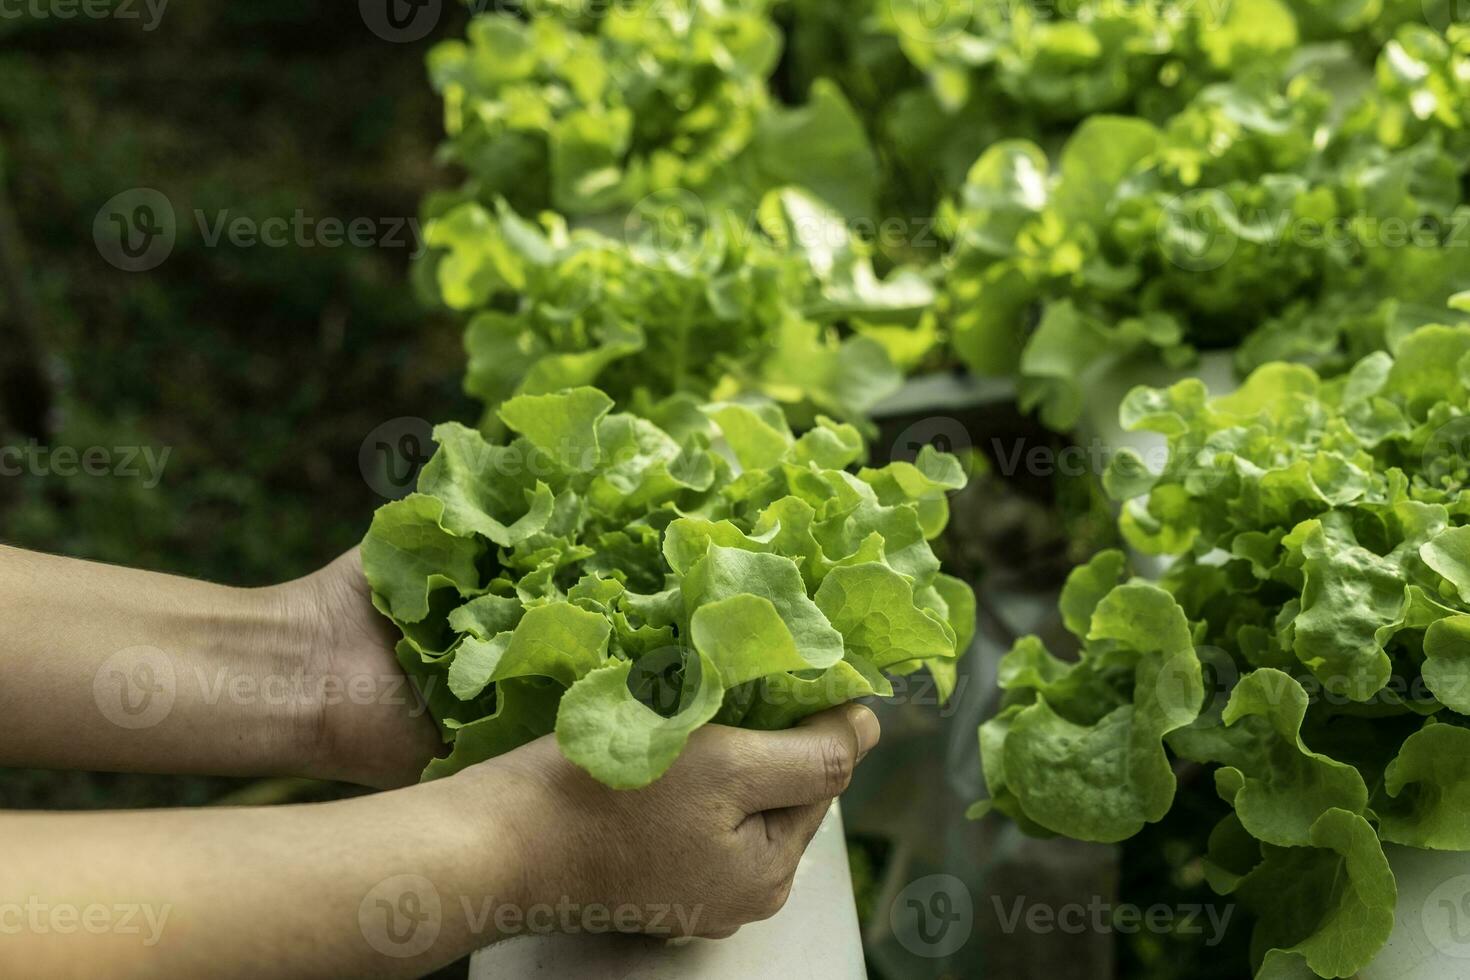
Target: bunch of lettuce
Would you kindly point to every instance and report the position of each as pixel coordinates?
(938, 83)
(643, 214)
(587, 110)
(1283, 177)
(1310, 643)
(1064, 62)
(599, 106)
(1297, 219)
(622, 582)
(685, 301)
(1061, 63)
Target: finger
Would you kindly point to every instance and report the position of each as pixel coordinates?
(812, 763)
(792, 829)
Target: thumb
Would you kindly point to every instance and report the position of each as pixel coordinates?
(812, 763)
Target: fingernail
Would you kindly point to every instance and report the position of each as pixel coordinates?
(865, 725)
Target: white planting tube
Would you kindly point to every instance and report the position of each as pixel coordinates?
(815, 937)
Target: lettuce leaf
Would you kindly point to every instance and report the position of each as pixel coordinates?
(1318, 534)
(593, 574)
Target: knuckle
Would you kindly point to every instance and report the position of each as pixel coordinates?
(776, 873)
(719, 755)
(837, 766)
(732, 853)
(783, 895)
(757, 909)
(766, 891)
(774, 900)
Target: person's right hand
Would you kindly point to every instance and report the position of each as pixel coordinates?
(709, 847)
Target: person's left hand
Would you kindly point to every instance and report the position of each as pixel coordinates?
(373, 727)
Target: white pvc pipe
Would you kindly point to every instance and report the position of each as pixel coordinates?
(815, 937)
(1431, 932)
(1104, 396)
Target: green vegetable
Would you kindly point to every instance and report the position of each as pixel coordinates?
(1319, 531)
(788, 307)
(599, 576)
(1314, 214)
(1075, 188)
(584, 110)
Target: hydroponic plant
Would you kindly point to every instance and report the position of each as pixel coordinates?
(937, 84)
(1285, 178)
(623, 582)
(711, 307)
(1286, 214)
(588, 109)
(1321, 537)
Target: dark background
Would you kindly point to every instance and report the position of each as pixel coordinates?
(259, 369)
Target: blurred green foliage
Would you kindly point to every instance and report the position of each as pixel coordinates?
(260, 370)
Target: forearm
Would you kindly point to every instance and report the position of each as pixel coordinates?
(302, 891)
(111, 668)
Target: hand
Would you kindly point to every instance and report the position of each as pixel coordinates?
(292, 680)
(373, 727)
(710, 846)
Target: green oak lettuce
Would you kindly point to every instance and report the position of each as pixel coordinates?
(585, 113)
(623, 580)
(588, 110)
(1309, 643)
(939, 83)
(1313, 214)
(1076, 187)
(786, 305)
(640, 212)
